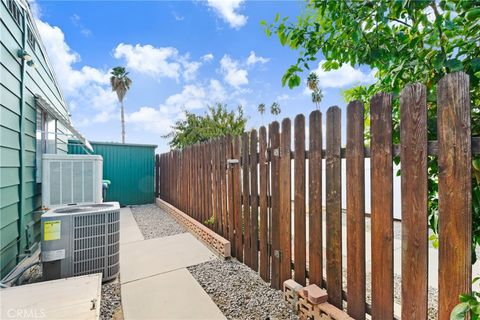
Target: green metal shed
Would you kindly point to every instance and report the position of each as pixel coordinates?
(129, 167)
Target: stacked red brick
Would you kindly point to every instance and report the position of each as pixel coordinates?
(310, 302)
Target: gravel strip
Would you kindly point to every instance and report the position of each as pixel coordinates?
(111, 304)
(34, 274)
(239, 292)
(155, 223)
(397, 293)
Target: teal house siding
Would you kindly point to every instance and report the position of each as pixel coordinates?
(130, 169)
(20, 84)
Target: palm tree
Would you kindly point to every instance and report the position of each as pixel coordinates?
(312, 81)
(120, 83)
(275, 109)
(261, 109)
(317, 97)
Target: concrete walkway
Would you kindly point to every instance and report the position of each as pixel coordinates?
(155, 283)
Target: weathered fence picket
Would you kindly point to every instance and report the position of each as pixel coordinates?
(315, 264)
(381, 160)
(264, 172)
(413, 140)
(230, 198)
(223, 181)
(245, 212)
(241, 187)
(333, 207)
(454, 191)
(237, 200)
(300, 245)
(275, 204)
(253, 200)
(355, 211)
(285, 190)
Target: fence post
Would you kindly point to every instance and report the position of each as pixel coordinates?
(454, 190)
(230, 197)
(275, 221)
(237, 200)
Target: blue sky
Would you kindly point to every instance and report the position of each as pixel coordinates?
(180, 54)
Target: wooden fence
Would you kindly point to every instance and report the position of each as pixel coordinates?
(241, 188)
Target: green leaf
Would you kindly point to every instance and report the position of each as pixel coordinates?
(460, 311)
(465, 297)
(277, 16)
(454, 65)
(473, 14)
(285, 77)
(282, 37)
(294, 81)
(263, 23)
(475, 63)
(438, 61)
(434, 239)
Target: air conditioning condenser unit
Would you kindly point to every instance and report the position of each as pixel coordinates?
(81, 239)
(71, 179)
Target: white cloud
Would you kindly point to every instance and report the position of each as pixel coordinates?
(207, 57)
(190, 69)
(35, 8)
(177, 16)
(86, 88)
(217, 92)
(227, 10)
(191, 97)
(283, 97)
(77, 23)
(195, 96)
(159, 62)
(147, 59)
(232, 73)
(151, 119)
(345, 76)
(159, 120)
(253, 59)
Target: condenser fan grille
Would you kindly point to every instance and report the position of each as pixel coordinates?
(96, 243)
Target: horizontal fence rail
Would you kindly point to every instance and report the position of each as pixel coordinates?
(263, 192)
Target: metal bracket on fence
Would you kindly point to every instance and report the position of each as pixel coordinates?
(276, 152)
(277, 254)
(231, 162)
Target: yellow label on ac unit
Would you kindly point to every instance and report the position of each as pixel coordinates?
(52, 230)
